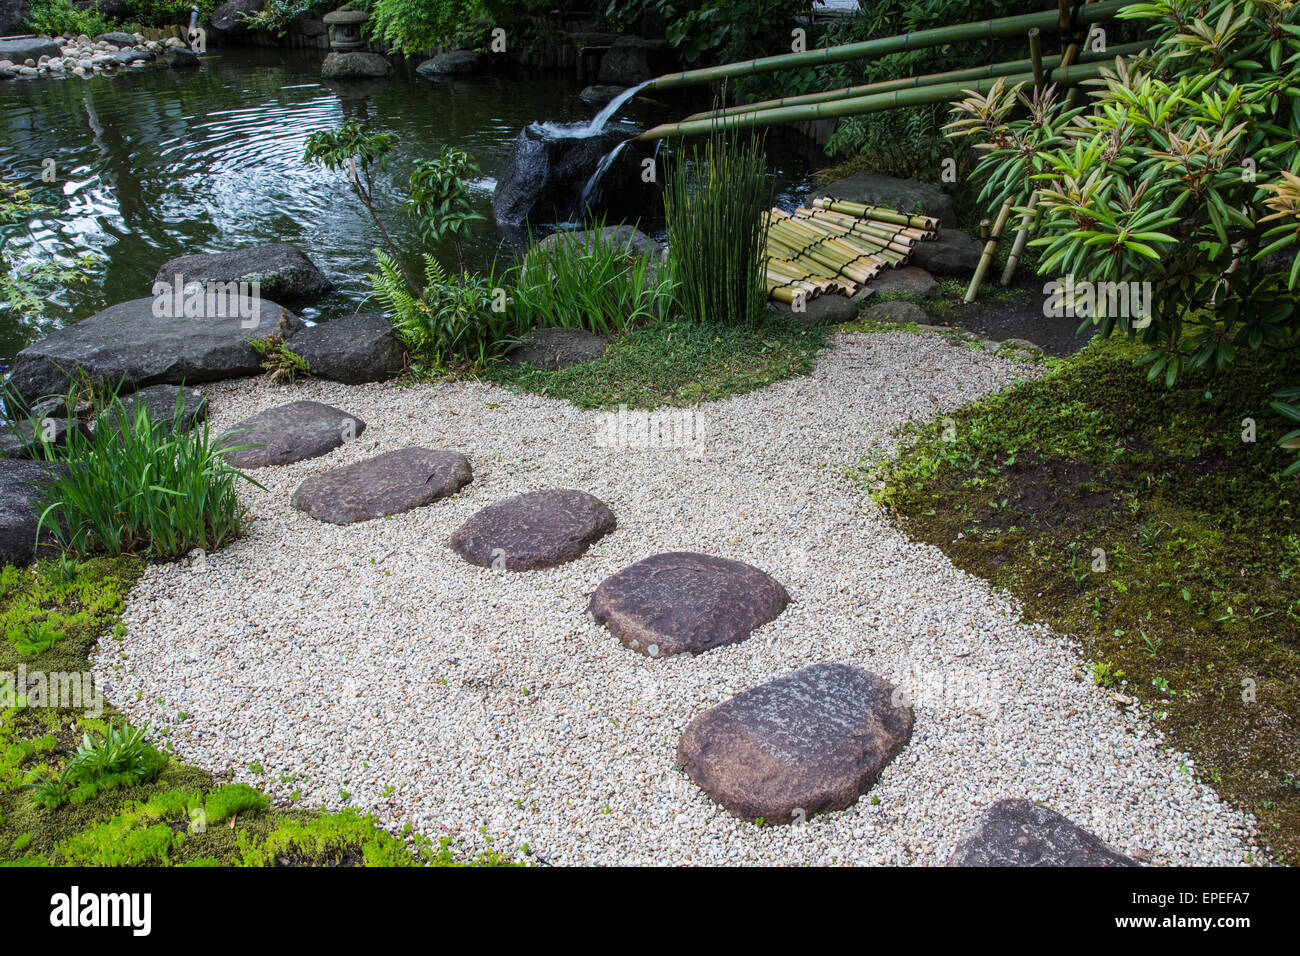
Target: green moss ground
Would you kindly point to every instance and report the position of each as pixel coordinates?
(181, 817)
(676, 363)
(1197, 610)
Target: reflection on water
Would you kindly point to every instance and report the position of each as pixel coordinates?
(155, 163)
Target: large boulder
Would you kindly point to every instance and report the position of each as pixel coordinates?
(548, 171)
(600, 95)
(20, 496)
(450, 63)
(116, 38)
(555, 348)
(131, 344)
(179, 58)
(226, 19)
(354, 65)
(633, 60)
(16, 51)
(800, 745)
(282, 271)
(12, 13)
(910, 196)
(954, 253)
(354, 349)
(160, 402)
(1016, 832)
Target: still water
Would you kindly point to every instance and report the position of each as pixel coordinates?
(154, 163)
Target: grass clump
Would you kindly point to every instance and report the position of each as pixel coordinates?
(140, 486)
(676, 363)
(232, 800)
(715, 203)
(1154, 524)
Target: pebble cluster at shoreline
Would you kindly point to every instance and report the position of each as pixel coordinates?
(367, 665)
(82, 56)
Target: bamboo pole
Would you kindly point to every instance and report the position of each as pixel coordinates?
(857, 105)
(990, 247)
(882, 46)
(1036, 56)
(912, 82)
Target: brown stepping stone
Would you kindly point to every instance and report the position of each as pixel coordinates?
(685, 602)
(1017, 832)
(806, 743)
(292, 432)
(387, 484)
(539, 529)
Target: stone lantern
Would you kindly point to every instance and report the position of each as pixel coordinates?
(345, 28)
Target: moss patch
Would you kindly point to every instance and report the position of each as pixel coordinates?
(1136, 517)
(676, 363)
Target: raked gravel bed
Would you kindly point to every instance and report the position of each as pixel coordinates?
(371, 660)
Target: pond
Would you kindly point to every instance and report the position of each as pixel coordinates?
(154, 163)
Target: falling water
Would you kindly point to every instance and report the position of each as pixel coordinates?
(606, 161)
(598, 122)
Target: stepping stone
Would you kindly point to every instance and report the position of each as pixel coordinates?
(685, 602)
(387, 484)
(806, 743)
(828, 309)
(539, 529)
(1017, 832)
(554, 348)
(159, 402)
(292, 432)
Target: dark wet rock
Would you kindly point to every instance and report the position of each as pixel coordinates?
(598, 96)
(292, 432)
(283, 271)
(544, 178)
(21, 493)
(810, 742)
(823, 310)
(897, 311)
(954, 253)
(128, 343)
(633, 60)
(354, 65)
(909, 280)
(683, 602)
(307, 27)
(631, 240)
(115, 9)
(452, 62)
(908, 196)
(555, 348)
(179, 59)
(127, 57)
(159, 402)
(226, 19)
(12, 13)
(118, 39)
(16, 51)
(1017, 832)
(539, 529)
(387, 484)
(352, 349)
(25, 436)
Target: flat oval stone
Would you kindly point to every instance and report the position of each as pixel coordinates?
(1016, 832)
(809, 742)
(292, 432)
(387, 484)
(539, 529)
(686, 602)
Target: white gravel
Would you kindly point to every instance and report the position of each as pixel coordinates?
(371, 660)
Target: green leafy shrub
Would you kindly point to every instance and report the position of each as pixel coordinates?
(138, 485)
(715, 204)
(276, 16)
(56, 17)
(122, 757)
(457, 317)
(438, 200)
(595, 283)
(413, 25)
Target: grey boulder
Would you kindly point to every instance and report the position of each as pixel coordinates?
(353, 349)
(539, 529)
(283, 272)
(226, 18)
(291, 432)
(129, 344)
(354, 65)
(807, 743)
(20, 498)
(555, 348)
(454, 61)
(1016, 832)
(633, 60)
(387, 484)
(823, 310)
(908, 280)
(954, 253)
(909, 196)
(160, 403)
(32, 48)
